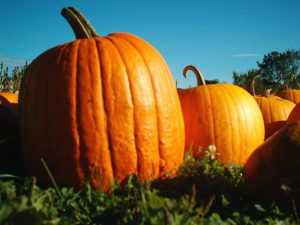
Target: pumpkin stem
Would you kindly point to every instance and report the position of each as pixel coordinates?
(199, 76)
(79, 24)
(252, 82)
(267, 92)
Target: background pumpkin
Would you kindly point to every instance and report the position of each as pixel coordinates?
(278, 158)
(292, 95)
(9, 99)
(100, 108)
(275, 110)
(223, 115)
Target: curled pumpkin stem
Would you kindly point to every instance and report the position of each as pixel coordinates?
(252, 82)
(199, 76)
(81, 27)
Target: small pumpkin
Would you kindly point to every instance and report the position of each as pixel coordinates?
(223, 115)
(275, 110)
(292, 95)
(295, 114)
(100, 109)
(9, 99)
(275, 162)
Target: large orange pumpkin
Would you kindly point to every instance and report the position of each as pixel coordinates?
(100, 108)
(275, 163)
(9, 99)
(292, 95)
(223, 115)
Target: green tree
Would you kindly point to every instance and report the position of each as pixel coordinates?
(215, 81)
(282, 69)
(10, 80)
(246, 81)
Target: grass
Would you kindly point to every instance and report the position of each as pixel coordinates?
(204, 192)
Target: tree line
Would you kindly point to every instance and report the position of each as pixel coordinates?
(10, 79)
(277, 71)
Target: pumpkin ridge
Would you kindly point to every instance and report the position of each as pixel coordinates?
(167, 82)
(152, 87)
(110, 170)
(45, 75)
(211, 97)
(76, 98)
(105, 110)
(240, 129)
(124, 168)
(131, 97)
(232, 95)
(84, 159)
(233, 127)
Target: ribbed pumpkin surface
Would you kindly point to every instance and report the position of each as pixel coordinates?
(223, 115)
(275, 112)
(105, 106)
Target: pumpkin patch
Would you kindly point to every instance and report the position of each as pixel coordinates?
(96, 131)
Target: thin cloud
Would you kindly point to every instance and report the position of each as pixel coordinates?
(245, 55)
(12, 62)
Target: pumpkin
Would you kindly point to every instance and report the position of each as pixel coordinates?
(223, 115)
(100, 109)
(9, 99)
(275, 110)
(292, 95)
(275, 162)
(10, 152)
(295, 114)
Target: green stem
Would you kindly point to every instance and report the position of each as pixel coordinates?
(81, 27)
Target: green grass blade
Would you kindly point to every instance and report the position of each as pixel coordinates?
(52, 178)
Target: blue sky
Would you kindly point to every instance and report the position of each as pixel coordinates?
(217, 36)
